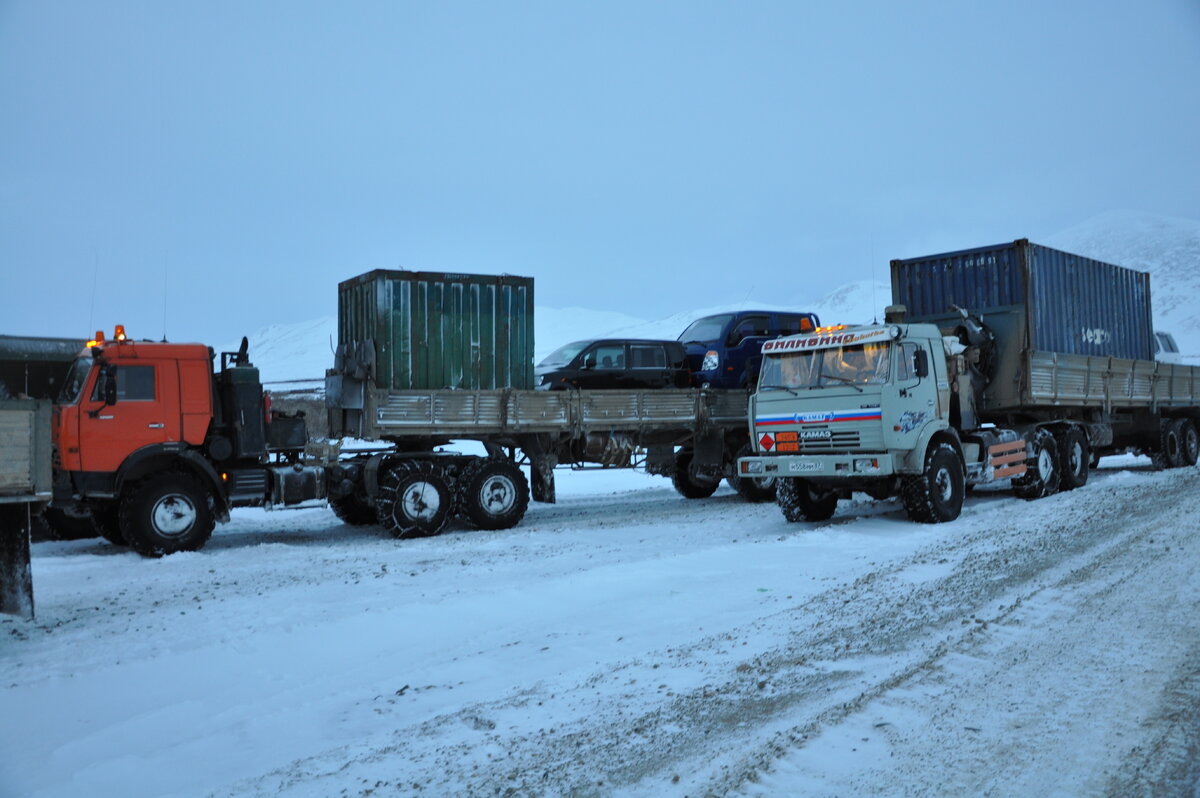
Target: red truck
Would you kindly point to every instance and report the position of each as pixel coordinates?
(157, 446)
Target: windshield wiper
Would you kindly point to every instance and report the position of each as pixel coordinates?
(777, 388)
(846, 380)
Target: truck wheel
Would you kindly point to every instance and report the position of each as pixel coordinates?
(1189, 441)
(752, 489)
(493, 493)
(1073, 456)
(166, 513)
(354, 509)
(936, 494)
(1170, 453)
(688, 484)
(107, 520)
(1042, 475)
(800, 500)
(69, 524)
(414, 502)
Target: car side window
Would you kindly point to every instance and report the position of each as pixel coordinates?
(749, 327)
(794, 325)
(647, 356)
(134, 384)
(606, 356)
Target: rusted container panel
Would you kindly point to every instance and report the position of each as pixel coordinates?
(430, 330)
(1071, 304)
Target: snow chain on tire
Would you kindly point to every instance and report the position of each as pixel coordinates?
(493, 493)
(414, 500)
(936, 494)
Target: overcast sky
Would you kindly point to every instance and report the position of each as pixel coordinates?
(216, 167)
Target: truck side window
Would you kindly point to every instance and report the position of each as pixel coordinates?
(905, 369)
(794, 325)
(134, 383)
(748, 327)
(648, 357)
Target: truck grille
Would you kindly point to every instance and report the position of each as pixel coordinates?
(841, 441)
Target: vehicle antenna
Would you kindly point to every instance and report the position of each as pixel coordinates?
(95, 281)
(166, 262)
(874, 302)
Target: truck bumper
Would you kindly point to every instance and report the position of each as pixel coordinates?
(818, 466)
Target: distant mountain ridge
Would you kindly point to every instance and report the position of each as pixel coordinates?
(1168, 248)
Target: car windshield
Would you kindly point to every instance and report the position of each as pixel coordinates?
(76, 378)
(563, 355)
(706, 329)
(862, 364)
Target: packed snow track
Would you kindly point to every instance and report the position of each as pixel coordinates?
(628, 642)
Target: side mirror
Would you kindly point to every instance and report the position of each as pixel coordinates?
(921, 363)
(589, 362)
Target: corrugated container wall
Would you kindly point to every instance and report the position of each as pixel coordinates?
(1074, 305)
(434, 330)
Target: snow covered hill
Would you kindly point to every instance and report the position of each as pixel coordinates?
(1167, 247)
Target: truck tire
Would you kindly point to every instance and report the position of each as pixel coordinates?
(69, 524)
(354, 509)
(1189, 441)
(493, 493)
(688, 484)
(166, 513)
(1170, 451)
(414, 501)
(936, 494)
(1073, 457)
(1043, 474)
(800, 500)
(107, 520)
(752, 489)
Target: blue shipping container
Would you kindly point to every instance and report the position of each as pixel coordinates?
(1074, 305)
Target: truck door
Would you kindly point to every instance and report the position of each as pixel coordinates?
(744, 350)
(909, 400)
(146, 412)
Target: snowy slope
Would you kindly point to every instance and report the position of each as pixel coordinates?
(1167, 247)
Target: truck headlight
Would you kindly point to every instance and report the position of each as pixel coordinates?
(752, 467)
(711, 361)
(866, 464)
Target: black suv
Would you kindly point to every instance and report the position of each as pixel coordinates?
(615, 363)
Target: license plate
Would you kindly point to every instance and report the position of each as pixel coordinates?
(803, 466)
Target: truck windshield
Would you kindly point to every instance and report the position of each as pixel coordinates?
(863, 364)
(706, 329)
(76, 379)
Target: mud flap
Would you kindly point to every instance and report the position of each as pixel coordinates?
(541, 483)
(16, 577)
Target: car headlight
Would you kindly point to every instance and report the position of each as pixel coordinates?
(711, 361)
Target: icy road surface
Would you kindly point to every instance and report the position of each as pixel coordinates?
(628, 642)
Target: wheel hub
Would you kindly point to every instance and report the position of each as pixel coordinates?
(173, 515)
(943, 485)
(498, 494)
(421, 501)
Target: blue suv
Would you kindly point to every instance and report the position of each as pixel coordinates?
(725, 350)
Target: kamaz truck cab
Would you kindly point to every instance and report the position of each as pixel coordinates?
(879, 409)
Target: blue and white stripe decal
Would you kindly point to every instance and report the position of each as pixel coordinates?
(822, 417)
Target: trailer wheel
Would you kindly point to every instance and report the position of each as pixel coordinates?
(800, 500)
(936, 494)
(107, 520)
(1189, 441)
(166, 513)
(493, 493)
(1073, 457)
(354, 509)
(1170, 447)
(689, 484)
(1043, 475)
(414, 501)
(752, 489)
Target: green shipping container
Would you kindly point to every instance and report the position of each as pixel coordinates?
(431, 330)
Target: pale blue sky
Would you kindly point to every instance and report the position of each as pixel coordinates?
(223, 165)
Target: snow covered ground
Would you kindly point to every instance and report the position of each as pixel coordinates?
(627, 642)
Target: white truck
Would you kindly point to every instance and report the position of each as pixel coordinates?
(1032, 389)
